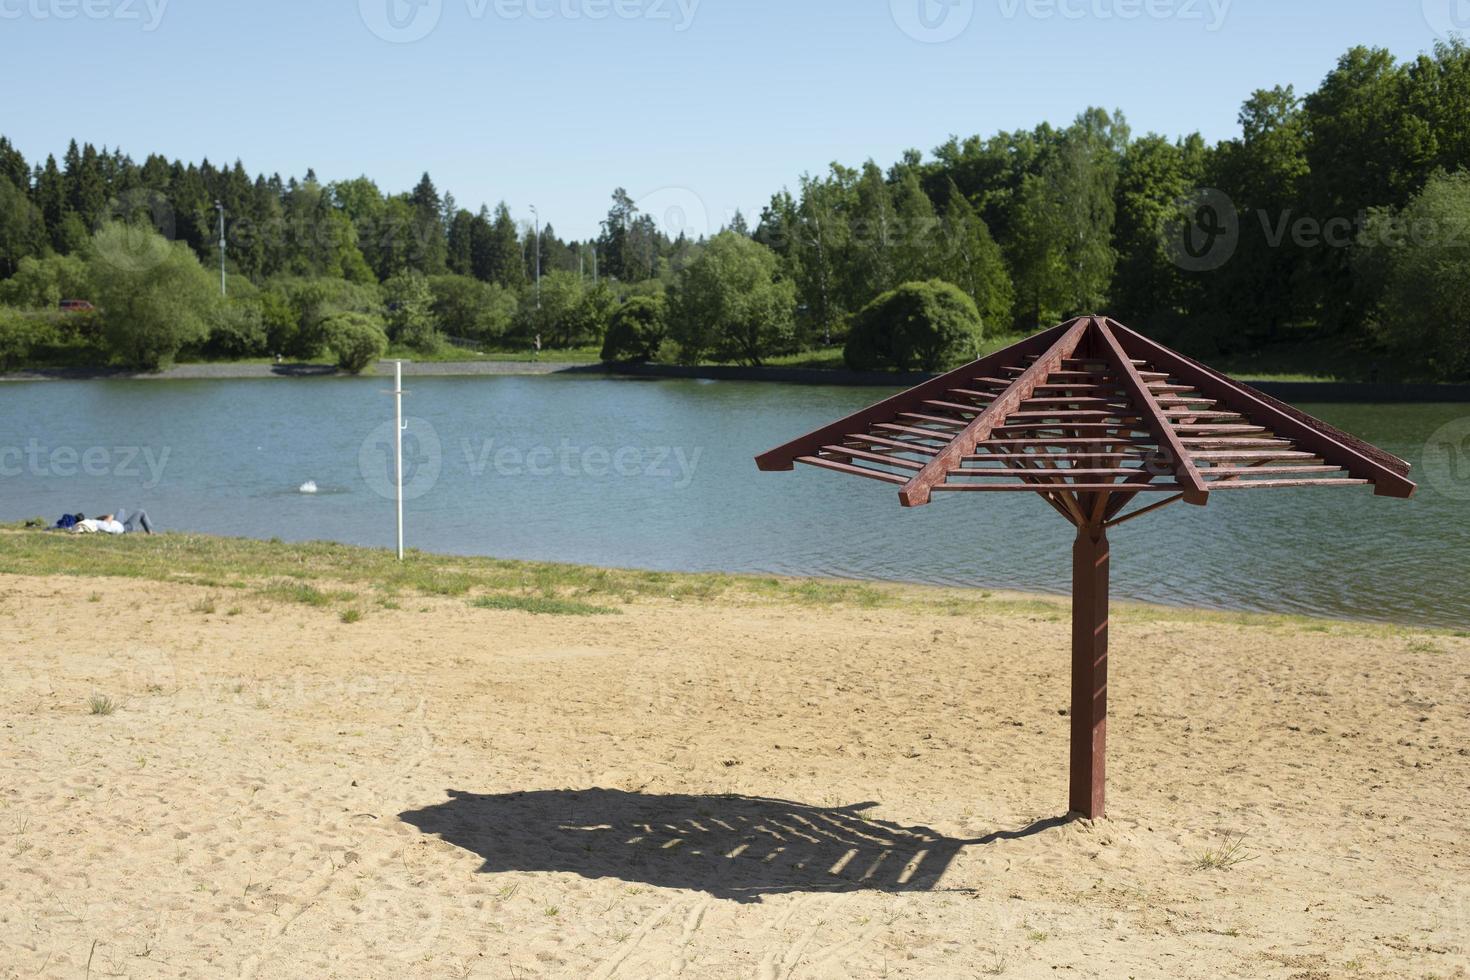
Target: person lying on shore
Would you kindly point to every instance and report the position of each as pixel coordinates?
(109, 524)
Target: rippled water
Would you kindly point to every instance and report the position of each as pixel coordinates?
(658, 474)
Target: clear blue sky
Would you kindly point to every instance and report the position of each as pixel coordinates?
(704, 104)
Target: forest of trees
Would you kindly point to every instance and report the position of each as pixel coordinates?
(1338, 217)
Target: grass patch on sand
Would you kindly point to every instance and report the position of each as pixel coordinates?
(542, 605)
(328, 575)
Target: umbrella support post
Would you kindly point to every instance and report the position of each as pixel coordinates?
(1089, 670)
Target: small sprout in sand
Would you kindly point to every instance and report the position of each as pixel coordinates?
(95, 597)
(550, 911)
(350, 615)
(1036, 936)
(1225, 858)
(1423, 645)
(238, 687)
(233, 611)
(205, 606)
(101, 704)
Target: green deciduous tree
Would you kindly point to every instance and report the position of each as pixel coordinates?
(1422, 260)
(463, 306)
(731, 304)
(408, 303)
(154, 295)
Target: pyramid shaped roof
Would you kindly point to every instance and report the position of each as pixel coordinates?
(1090, 414)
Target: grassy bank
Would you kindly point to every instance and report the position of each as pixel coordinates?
(353, 581)
(1303, 360)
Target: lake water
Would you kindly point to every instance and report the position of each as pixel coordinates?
(658, 474)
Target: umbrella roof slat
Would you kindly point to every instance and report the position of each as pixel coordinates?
(1076, 487)
(1069, 471)
(848, 452)
(1064, 457)
(1219, 471)
(925, 433)
(1278, 484)
(1218, 442)
(1212, 455)
(908, 447)
(953, 406)
(1087, 426)
(832, 464)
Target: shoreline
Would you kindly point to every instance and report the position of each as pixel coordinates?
(1306, 391)
(187, 557)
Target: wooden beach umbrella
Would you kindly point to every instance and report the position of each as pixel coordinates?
(1093, 418)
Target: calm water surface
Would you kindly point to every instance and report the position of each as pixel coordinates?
(658, 474)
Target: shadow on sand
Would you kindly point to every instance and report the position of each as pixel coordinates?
(733, 847)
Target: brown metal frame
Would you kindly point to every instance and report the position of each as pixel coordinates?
(1066, 414)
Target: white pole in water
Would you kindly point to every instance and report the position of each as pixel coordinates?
(398, 446)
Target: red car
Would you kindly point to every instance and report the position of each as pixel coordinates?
(76, 306)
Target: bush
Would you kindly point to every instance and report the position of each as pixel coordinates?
(41, 284)
(467, 308)
(922, 325)
(19, 334)
(636, 330)
(293, 311)
(356, 339)
(236, 329)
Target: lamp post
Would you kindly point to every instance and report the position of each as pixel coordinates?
(537, 217)
(218, 206)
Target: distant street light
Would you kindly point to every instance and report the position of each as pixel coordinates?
(221, 209)
(537, 217)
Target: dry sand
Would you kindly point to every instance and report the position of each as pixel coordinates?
(472, 793)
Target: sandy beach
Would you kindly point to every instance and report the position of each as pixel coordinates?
(202, 782)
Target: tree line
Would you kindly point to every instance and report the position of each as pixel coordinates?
(1339, 216)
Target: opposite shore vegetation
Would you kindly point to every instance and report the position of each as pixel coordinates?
(1327, 241)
